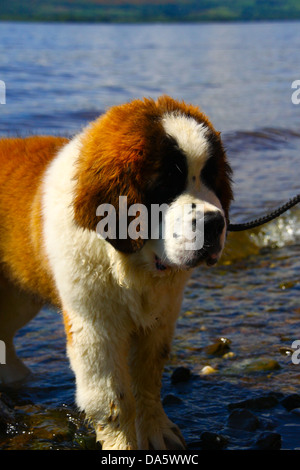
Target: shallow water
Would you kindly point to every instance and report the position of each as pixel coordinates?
(259, 316)
(59, 77)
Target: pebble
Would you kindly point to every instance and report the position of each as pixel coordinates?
(7, 400)
(268, 424)
(86, 442)
(259, 403)
(285, 351)
(229, 355)
(243, 419)
(263, 366)
(269, 441)
(7, 416)
(287, 285)
(181, 374)
(212, 440)
(219, 348)
(291, 401)
(296, 411)
(206, 370)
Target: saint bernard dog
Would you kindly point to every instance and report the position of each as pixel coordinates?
(119, 296)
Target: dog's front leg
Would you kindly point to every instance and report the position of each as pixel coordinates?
(99, 359)
(149, 352)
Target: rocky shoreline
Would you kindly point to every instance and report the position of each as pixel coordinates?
(266, 421)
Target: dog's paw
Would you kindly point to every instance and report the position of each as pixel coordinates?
(159, 434)
(115, 440)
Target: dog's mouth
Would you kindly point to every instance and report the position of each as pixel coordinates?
(159, 265)
(209, 257)
(210, 260)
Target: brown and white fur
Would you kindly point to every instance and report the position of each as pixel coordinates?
(120, 298)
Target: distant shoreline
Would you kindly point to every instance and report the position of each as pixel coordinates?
(149, 11)
(145, 21)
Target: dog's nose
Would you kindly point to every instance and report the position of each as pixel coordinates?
(213, 225)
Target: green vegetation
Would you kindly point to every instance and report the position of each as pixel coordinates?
(121, 11)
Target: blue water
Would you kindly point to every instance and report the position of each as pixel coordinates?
(58, 77)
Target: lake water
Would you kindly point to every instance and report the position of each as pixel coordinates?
(60, 76)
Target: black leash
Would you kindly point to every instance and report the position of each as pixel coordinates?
(262, 220)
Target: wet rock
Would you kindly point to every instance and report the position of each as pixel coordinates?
(268, 424)
(219, 348)
(278, 395)
(181, 374)
(243, 419)
(269, 441)
(291, 401)
(7, 400)
(50, 426)
(87, 442)
(7, 415)
(206, 370)
(263, 366)
(287, 285)
(296, 411)
(172, 400)
(229, 355)
(259, 403)
(19, 442)
(285, 351)
(212, 440)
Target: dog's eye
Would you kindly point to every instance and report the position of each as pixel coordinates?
(170, 182)
(175, 172)
(209, 174)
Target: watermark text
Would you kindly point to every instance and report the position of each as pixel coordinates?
(296, 95)
(184, 222)
(296, 354)
(2, 352)
(2, 92)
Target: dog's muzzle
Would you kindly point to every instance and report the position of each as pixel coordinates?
(214, 224)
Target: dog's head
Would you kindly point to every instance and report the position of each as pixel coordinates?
(162, 169)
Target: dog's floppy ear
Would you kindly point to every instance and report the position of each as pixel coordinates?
(109, 166)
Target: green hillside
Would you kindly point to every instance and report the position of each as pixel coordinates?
(148, 11)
